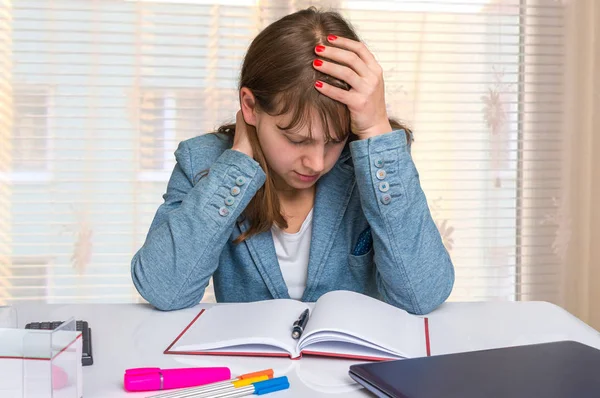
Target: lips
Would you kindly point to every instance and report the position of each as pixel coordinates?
(307, 177)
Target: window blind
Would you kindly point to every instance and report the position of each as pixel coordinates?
(96, 96)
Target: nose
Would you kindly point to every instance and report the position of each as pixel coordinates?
(314, 159)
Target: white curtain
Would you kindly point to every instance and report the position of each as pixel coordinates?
(581, 216)
(97, 94)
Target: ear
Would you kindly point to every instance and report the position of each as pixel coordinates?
(248, 105)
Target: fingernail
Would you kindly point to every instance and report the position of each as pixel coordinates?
(331, 37)
(318, 84)
(317, 62)
(319, 48)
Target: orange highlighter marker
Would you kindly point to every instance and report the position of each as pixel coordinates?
(240, 381)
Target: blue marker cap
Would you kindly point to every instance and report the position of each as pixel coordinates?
(272, 385)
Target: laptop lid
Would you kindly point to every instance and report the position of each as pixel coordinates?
(562, 369)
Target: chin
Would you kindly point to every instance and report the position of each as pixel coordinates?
(302, 185)
(297, 184)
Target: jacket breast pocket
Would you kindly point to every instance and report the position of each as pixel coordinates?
(362, 271)
(363, 274)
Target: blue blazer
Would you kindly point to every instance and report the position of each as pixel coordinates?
(372, 231)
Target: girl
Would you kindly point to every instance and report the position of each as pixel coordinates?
(313, 189)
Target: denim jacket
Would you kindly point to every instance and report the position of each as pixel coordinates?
(374, 187)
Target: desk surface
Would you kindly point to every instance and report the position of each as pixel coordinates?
(135, 335)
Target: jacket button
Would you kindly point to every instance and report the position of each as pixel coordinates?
(224, 211)
(240, 181)
(235, 191)
(381, 174)
(386, 198)
(384, 186)
(379, 163)
(229, 201)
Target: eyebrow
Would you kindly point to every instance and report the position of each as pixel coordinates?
(303, 138)
(294, 133)
(288, 129)
(309, 139)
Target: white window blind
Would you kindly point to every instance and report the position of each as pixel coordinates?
(96, 96)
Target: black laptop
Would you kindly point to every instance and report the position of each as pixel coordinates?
(564, 369)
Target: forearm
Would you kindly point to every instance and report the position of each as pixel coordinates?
(182, 249)
(414, 269)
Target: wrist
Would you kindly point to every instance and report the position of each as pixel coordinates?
(379, 129)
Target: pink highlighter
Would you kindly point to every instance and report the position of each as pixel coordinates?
(153, 379)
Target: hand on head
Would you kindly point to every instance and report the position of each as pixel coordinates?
(357, 66)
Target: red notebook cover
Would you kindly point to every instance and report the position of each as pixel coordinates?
(304, 352)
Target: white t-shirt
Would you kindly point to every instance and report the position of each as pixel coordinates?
(292, 253)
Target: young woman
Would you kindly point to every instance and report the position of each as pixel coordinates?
(313, 189)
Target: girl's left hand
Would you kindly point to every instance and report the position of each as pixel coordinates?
(360, 69)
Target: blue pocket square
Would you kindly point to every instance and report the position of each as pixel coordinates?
(364, 243)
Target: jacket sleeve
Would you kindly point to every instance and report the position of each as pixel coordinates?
(190, 229)
(414, 270)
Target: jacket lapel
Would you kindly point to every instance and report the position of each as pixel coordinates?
(262, 250)
(332, 197)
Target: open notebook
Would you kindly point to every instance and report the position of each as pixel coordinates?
(341, 324)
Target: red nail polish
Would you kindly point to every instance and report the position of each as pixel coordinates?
(318, 84)
(319, 48)
(317, 62)
(331, 37)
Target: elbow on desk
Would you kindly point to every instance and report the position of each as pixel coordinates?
(155, 291)
(438, 292)
(428, 306)
(425, 295)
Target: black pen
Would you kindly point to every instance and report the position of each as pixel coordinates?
(300, 324)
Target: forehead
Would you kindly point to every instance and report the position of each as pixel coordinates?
(295, 123)
(313, 124)
(312, 115)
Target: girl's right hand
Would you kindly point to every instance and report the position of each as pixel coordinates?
(241, 142)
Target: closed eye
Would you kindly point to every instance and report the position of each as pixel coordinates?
(298, 142)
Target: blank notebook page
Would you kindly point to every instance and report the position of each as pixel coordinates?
(258, 323)
(369, 319)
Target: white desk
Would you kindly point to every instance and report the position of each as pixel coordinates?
(129, 335)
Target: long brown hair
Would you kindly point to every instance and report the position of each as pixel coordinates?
(278, 70)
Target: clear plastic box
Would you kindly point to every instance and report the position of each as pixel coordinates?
(39, 363)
